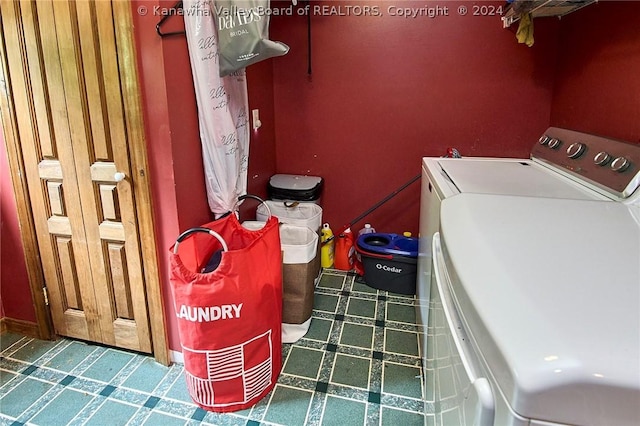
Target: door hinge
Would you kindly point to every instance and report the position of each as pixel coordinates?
(46, 296)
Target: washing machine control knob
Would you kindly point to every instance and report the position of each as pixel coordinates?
(544, 140)
(576, 149)
(620, 164)
(602, 158)
(555, 143)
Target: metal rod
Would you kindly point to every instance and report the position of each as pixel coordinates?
(375, 206)
(387, 198)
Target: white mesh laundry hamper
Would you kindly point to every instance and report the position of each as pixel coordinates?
(301, 260)
(300, 214)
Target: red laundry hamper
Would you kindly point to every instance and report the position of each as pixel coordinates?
(229, 319)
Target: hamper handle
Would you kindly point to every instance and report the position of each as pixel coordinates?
(255, 197)
(191, 231)
(371, 254)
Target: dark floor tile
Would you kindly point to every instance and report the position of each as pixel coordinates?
(29, 370)
(199, 414)
(322, 387)
(108, 390)
(152, 402)
(67, 380)
(374, 397)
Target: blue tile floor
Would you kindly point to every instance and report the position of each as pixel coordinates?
(357, 365)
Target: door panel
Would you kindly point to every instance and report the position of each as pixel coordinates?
(65, 76)
(45, 164)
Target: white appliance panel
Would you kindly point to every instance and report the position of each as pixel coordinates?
(556, 327)
(458, 376)
(524, 178)
(429, 223)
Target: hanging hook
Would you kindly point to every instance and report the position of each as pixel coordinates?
(164, 19)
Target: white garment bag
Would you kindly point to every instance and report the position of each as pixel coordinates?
(223, 111)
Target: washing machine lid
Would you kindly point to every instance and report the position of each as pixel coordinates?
(510, 177)
(550, 291)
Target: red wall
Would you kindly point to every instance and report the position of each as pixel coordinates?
(173, 140)
(15, 294)
(262, 150)
(388, 90)
(597, 86)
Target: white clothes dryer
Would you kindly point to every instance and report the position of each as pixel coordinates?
(533, 258)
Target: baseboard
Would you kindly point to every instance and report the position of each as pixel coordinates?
(176, 357)
(26, 328)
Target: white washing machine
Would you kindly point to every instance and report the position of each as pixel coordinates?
(538, 275)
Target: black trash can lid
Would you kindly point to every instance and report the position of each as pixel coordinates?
(295, 182)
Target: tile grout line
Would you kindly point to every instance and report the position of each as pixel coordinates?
(374, 408)
(319, 398)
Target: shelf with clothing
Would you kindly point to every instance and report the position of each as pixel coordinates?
(540, 8)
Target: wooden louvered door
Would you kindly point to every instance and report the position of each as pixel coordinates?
(66, 80)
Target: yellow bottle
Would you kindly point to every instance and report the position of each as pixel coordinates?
(326, 248)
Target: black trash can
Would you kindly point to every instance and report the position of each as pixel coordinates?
(296, 188)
